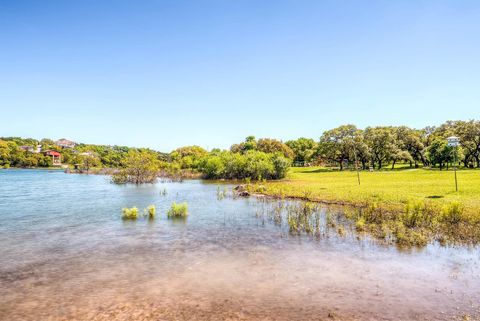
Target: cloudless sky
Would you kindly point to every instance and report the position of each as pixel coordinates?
(164, 74)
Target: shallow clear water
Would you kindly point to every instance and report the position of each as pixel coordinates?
(65, 253)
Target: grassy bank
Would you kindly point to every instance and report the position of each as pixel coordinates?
(412, 206)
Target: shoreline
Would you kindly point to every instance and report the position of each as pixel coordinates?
(400, 225)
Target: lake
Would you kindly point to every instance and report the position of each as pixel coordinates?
(66, 254)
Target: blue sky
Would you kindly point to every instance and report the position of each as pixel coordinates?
(163, 74)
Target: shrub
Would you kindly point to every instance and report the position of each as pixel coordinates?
(140, 167)
(250, 164)
(150, 212)
(360, 224)
(130, 213)
(120, 177)
(452, 213)
(178, 210)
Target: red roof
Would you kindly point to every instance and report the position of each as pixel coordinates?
(52, 153)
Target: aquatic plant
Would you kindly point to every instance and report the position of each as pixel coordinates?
(129, 213)
(163, 192)
(178, 210)
(417, 213)
(360, 224)
(221, 194)
(300, 218)
(150, 212)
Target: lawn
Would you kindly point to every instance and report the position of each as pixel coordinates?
(388, 188)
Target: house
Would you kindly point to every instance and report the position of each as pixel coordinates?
(29, 149)
(56, 157)
(65, 143)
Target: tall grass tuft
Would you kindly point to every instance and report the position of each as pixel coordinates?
(453, 213)
(130, 213)
(178, 210)
(150, 212)
(419, 213)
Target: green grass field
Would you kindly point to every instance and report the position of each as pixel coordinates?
(389, 188)
(407, 206)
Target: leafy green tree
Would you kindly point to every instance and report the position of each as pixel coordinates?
(249, 144)
(409, 140)
(338, 144)
(188, 156)
(304, 149)
(140, 167)
(381, 143)
(268, 145)
(469, 134)
(440, 153)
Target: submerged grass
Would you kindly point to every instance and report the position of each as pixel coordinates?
(150, 212)
(130, 213)
(178, 210)
(410, 207)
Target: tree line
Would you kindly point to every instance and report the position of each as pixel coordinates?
(343, 146)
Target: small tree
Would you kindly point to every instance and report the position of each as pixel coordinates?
(140, 167)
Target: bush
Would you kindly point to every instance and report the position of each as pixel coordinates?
(178, 210)
(150, 212)
(251, 164)
(130, 213)
(452, 213)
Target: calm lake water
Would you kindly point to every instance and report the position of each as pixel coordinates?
(66, 254)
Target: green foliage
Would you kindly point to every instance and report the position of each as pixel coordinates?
(253, 164)
(304, 149)
(188, 156)
(140, 167)
(178, 210)
(150, 212)
(130, 213)
(453, 213)
(440, 153)
(266, 145)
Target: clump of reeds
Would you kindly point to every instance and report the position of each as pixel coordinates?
(150, 212)
(129, 213)
(452, 213)
(301, 218)
(178, 210)
(221, 194)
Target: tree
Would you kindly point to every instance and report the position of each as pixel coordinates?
(140, 167)
(469, 134)
(4, 153)
(440, 153)
(338, 144)
(268, 145)
(188, 156)
(303, 149)
(249, 144)
(410, 141)
(89, 161)
(380, 141)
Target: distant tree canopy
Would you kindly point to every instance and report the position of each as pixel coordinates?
(188, 156)
(304, 149)
(344, 146)
(266, 145)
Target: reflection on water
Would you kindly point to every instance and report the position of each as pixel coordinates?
(67, 255)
